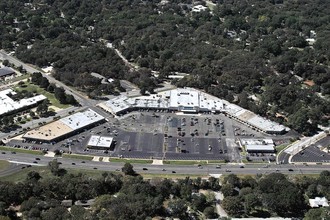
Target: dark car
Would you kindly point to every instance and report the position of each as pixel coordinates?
(173, 171)
(13, 152)
(37, 158)
(82, 161)
(35, 161)
(290, 170)
(144, 168)
(73, 163)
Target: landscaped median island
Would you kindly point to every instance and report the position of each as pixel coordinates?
(20, 150)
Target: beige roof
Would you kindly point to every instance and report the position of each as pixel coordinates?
(49, 131)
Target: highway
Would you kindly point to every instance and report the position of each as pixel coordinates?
(22, 158)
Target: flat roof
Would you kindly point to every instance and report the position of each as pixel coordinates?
(257, 147)
(7, 104)
(255, 141)
(190, 99)
(64, 126)
(48, 132)
(184, 97)
(100, 141)
(266, 144)
(82, 119)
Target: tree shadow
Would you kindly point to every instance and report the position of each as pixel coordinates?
(62, 172)
(260, 214)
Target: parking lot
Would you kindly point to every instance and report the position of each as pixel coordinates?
(161, 135)
(312, 154)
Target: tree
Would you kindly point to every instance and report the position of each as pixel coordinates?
(127, 169)
(210, 213)
(5, 63)
(198, 202)
(178, 208)
(54, 167)
(251, 201)
(32, 114)
(44, 83)
(233, 205)
(228, 190)
(318, 214)
(43, 107)
(232, 179)
(56, 213)
(33, 176)
(78, 212)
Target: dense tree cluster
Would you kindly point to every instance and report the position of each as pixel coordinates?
(59, 92)
(116, 196)
(235, 50)
(129, 196)
(274, 194)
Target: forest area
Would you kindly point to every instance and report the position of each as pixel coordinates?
(127, 195)
(268, 56)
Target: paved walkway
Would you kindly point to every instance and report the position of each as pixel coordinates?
(219, 197)
(157, 162)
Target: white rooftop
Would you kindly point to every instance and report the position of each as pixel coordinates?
(258, 144)
(266, 141)
(189, 99)
(184, 97)
(318, 201)
(7, 104)
(100, 141)
(199, 8)
(259, 147)
(81, 119)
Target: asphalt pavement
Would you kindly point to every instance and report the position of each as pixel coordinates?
(166, 169)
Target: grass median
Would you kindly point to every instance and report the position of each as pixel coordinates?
(4, 164)
(130, 160)
(78, 156)
(20, 150)
(185, 162)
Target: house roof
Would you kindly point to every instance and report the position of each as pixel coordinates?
(4, 71)
(318, 201)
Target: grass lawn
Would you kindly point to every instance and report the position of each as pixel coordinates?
(254, 162)
(3, 164)
(281, 147)
(45, 173)
(77, 156)
(185, 162)
(20, 150)
(51, 97)
(129, 160)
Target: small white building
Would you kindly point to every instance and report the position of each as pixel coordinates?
(199, 8)
(258, 145)
(100, 142)
(318, 202)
